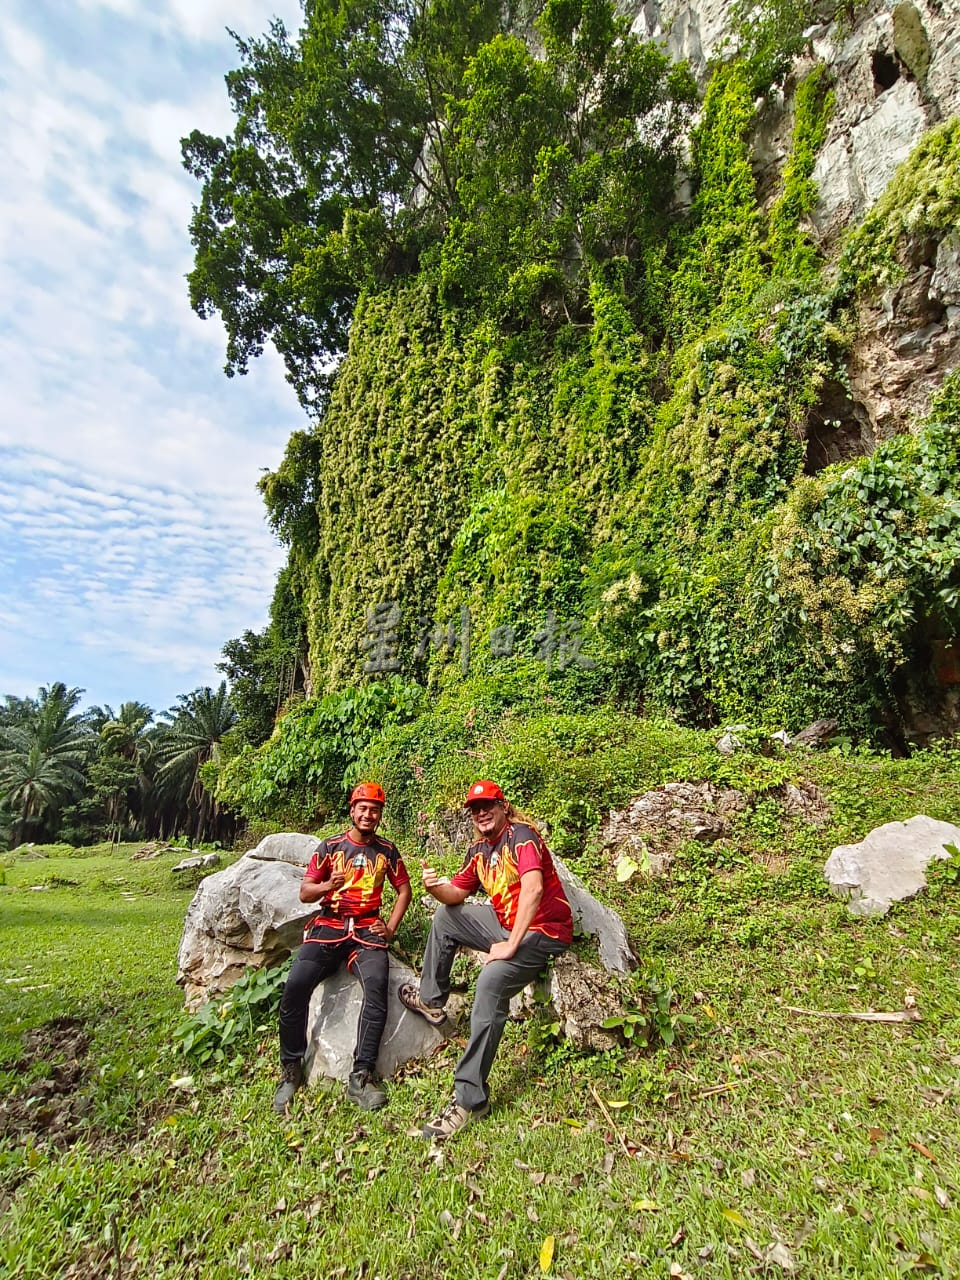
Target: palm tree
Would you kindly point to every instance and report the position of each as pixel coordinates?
(122, 769)
(44, 749)
(191, 737)
(125, 733)
(34, 784)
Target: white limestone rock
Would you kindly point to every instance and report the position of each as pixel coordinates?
(249, 914)
(889, 864)
(884, 138)
(597, 921)
(332, 1027)
(286, 846)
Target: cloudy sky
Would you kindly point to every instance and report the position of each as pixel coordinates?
(132, 537)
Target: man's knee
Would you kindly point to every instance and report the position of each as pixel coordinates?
(372, 966)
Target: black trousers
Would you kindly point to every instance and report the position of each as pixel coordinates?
(318, 960)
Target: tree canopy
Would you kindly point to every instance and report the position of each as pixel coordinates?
(393, 134)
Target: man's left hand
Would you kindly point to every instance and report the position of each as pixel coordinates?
(500, 951)
(380, 929)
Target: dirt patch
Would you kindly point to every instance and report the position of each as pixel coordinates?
(776, 861)
(51, 1107)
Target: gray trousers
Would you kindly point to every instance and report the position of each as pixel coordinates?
(476, 925)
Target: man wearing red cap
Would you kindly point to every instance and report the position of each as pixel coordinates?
(525, 923)
(345, 876)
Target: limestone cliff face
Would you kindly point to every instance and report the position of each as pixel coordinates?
(896, 74)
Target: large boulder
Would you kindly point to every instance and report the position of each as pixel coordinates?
(332, 1027)
(250, 914)
(888, 865)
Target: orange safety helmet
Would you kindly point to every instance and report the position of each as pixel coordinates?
(368, 791)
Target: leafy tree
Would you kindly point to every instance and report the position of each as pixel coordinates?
(303, 772)
(121, 777)
(266, 669)
(126, 733)
(316, 192)
(249, 663)
(34, 786)
(565, 161)
(44, 749)
(14, 710)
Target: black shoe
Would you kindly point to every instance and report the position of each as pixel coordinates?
(362, 1091)
(291, 1078)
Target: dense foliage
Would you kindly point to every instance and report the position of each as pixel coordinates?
(304, 772)
(570, 450)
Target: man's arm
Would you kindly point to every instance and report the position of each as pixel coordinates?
(443, 890)
(312, 889)
(388, 931)
(531, 891)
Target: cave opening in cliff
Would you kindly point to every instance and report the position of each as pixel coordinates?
(886, 72)
(836, 429)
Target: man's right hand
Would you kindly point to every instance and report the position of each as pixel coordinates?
(335, 882)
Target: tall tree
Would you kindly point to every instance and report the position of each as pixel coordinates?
(336, 161)
(188, 736)
(34, 786)
(121, 776)
(565, 163)
(43, 758)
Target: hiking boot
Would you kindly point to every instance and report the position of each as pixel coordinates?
(452, 1118)
(362, 1091)
(291, 1078)
(410, 999)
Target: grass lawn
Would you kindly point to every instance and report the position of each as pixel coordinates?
(771, 1143)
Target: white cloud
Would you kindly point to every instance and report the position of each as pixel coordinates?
(132, 539)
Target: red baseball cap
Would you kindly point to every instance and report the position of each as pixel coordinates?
(483, 790)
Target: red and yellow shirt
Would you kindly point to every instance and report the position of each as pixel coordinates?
(497, 869)
(366, 867)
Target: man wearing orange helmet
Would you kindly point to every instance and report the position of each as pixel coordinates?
(525, 923)
(345, 877)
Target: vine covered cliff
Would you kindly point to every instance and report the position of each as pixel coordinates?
(612, 393)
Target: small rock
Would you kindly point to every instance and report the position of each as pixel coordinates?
(816, 734)
(188, 864)
(889, 864)
(731, 742)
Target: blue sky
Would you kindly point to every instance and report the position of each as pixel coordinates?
(132, 537)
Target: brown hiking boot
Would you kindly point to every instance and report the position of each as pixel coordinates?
(451, 1119)
(410, 999)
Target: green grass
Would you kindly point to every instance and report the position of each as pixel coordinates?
(838, 1139)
